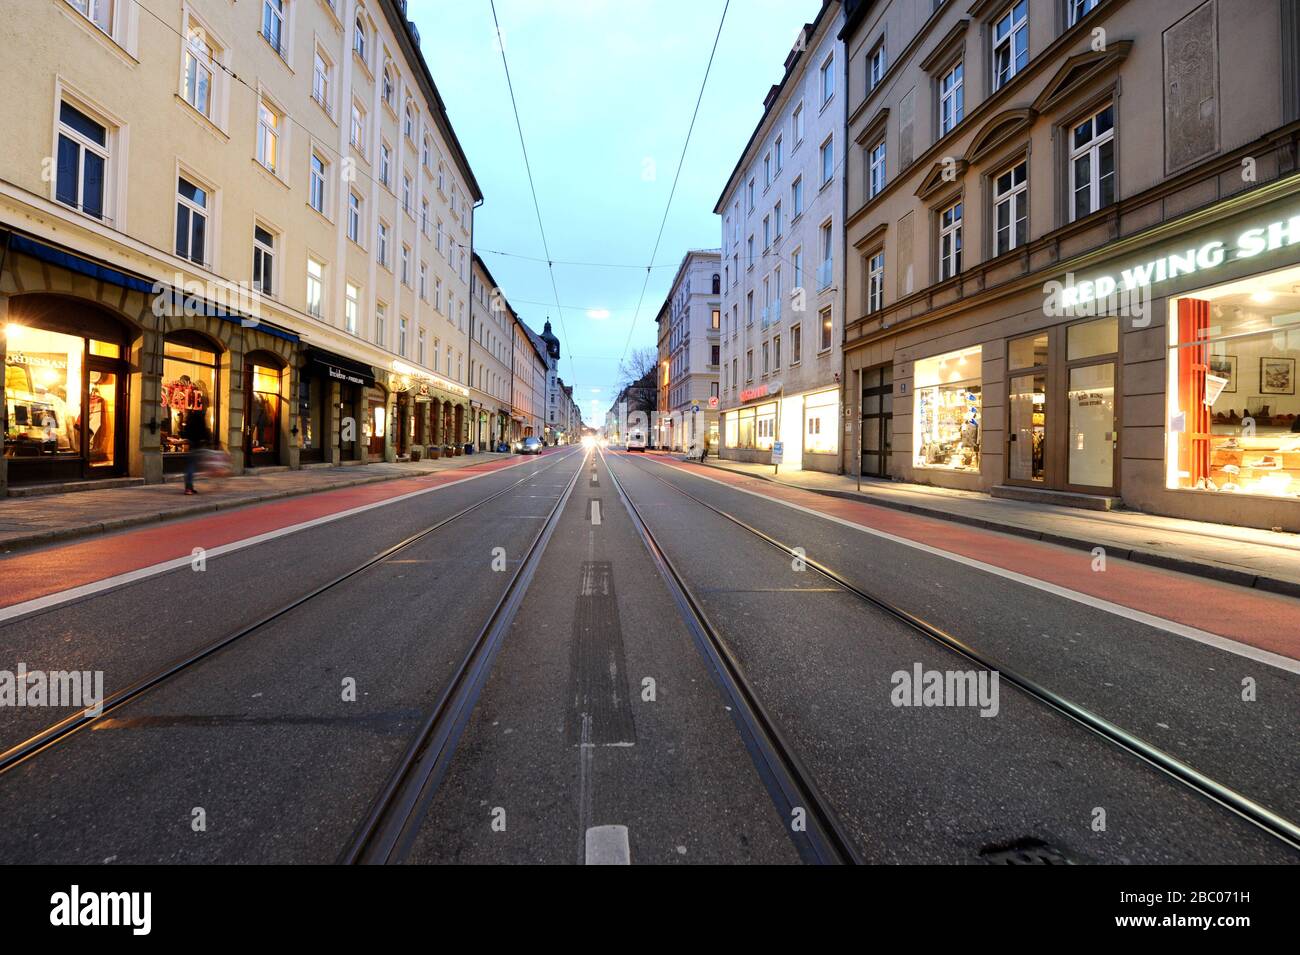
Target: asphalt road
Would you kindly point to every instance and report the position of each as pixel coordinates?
(600, 710)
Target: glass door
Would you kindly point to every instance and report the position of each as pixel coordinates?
(1027, 410)
(1093, 435)
(877, 420)
(103, 422)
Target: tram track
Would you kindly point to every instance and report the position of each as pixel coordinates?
(87, 717)
(1274, 824)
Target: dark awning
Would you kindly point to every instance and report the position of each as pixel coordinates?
(347, 370)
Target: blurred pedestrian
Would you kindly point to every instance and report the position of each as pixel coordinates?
(195, 432)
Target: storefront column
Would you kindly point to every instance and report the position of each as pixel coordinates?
(232, 385)
(289, 377)
(144, 455)
(333, 423)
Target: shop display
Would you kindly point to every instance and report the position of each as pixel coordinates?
(948, 411)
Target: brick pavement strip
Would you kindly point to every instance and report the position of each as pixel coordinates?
(33, 521)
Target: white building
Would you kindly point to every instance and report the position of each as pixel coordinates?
(692, 350)
(782, 264)
(491, 341)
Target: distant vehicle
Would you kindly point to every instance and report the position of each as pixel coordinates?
(530, 445)
(636, 440)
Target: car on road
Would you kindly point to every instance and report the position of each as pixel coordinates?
(636, 440)
(531, 445)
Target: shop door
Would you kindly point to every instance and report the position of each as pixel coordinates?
(262, 427)
(105, 407)
(377, 427)
(1062, 414)
(403, 423)
(877, 420)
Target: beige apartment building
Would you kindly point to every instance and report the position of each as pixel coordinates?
(490, 375)
(528, 397)
(255, 213)
(690, 331)
(782, 218)
(1073, 252)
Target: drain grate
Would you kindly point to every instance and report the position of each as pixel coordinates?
(1028, 851)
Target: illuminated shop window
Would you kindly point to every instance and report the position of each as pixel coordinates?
(1233, 414)
(948, 411)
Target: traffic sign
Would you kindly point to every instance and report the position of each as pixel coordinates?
(778, 451)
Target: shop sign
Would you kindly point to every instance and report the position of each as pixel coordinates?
(182, 395)
(342, 375)
(778, 452)
(761, 391)
(1206, 257)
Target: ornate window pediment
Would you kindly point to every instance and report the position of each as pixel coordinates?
(998, 130)
(1078, 70)
(941, 174)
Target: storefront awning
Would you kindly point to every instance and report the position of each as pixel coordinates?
(342, 369)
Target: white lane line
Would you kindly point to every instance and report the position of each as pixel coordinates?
(1151, 620)
(143, 573)
(595, 513)
(608, 845)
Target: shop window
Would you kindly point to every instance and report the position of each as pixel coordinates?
(43, 372)
(948, 411)
(1234, 416)
(764, 426)
(189, 387)
(821, 415)
(264, 413)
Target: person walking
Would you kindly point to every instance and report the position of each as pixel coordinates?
(195, 432)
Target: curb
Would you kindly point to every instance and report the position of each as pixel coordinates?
(1240, 578)
(192, 510)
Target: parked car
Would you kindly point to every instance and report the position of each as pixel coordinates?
(530, 445)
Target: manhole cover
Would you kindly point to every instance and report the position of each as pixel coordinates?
(1024, 852)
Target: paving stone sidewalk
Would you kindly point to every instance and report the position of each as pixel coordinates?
(1268, 560)
(42, 519)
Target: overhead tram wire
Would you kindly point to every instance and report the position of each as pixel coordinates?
(680, 163)
(550, 263)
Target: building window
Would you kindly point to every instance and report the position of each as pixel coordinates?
(778, 153)
(81, 175)
(408, 121)
(320, 81)
(828, 79)
(317, 187)
(419, 346)
(876, 175)
(191, 221)
(946, 429)
(381, 250)
(352, 296)
(952, 98)
(715, 317)
(385, 165)
(1078, 9)
(1010, 202)
(263, 260)
(424, 281)
(424, 216)
(796, 343)
(401, 336)
(751, 197)
(796, 123)
(315, 287)
(767, 170)
(359, 38)
(749, 365)
(406, 265)
(358, 131)
(950, 241)
(766, 360)
(426, 154)
(749, 252)
(715, 355)
(776, 352)
(828, 160)
(776, 220)
(199, 57)
(826, 322)
(821, 418)
(876, 66)
(767, 232)
(876, 282)
(268, 135)
(273, 24)
(381, 316)
(98, 12)
(796, 198)
(388, 86)
(406, 194)
(825, 268)
(354, 217)
(1010, 43)
(1092, 163)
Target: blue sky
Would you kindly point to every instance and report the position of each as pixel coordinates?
(605, 91)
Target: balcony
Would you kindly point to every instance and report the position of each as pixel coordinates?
(824, 271)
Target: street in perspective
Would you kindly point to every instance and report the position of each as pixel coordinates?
(753, 432)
